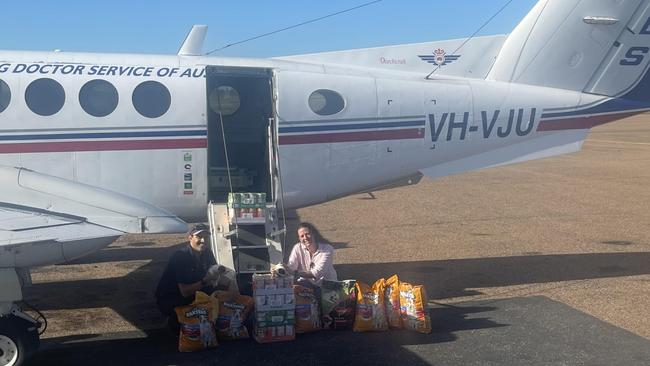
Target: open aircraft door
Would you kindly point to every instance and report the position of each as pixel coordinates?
(243, 158)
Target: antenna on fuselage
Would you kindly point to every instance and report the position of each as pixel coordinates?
(193, 44)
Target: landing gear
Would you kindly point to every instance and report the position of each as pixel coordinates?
(8, 351)
(18, 330)
(18, 338)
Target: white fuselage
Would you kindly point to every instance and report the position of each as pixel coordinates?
(392, 125)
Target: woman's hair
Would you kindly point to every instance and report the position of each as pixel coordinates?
(312, 229)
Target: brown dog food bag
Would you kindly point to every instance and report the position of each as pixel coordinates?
(308, 318)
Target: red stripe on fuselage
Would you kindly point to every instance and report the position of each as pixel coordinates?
(411, 133)
(581, 123)
(69, 146)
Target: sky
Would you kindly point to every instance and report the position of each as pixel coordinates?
(159, 27)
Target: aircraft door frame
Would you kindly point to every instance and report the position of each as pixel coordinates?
(241, 100)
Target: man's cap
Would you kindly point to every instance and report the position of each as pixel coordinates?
(200, 229)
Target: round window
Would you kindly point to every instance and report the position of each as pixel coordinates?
(98, 98)
(224, 99)
(326, 102)
(151, 99)
(44, 96)
(5, 95)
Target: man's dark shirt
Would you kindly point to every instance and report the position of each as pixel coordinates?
(183, 267)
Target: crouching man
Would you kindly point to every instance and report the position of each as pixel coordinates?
(188, 271)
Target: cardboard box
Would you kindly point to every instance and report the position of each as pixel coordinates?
(247, 215)
(274, 308)
(275, 334)
(246, 200)
(275, 318)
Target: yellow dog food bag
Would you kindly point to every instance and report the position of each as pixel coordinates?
(371, 313)
(197, 323)
(391, 301)
(413, 301)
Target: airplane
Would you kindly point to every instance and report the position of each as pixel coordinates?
(97, 145)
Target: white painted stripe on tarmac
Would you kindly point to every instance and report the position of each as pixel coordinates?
(619, 142)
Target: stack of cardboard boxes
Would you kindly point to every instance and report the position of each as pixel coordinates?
(274, 308)
(247, 207)
(247, 213)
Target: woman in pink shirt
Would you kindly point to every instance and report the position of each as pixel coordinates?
(311, 261)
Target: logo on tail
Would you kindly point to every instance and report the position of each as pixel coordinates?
(439, 57)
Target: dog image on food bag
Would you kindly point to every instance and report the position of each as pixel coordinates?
(308, 318)
(391, 301)
(206, 331)
(379, 321)
(315, 313)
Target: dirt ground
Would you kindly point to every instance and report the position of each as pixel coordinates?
(572, 228)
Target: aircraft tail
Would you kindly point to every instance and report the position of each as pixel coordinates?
(193, 43)
(475, 61)
(593, 46)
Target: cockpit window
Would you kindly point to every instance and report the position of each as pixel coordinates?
(44, 96)
(326, 102)
(151, 99)
(98, 98)
(5, 95)
(224, 99)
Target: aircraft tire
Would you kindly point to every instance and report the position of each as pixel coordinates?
(17, 343)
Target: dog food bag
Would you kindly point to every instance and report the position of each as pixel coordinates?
(197, 323)
(413, 301)
(308, 317)
(338, 303)
(233, 312)
(371, 312)
(391, 301)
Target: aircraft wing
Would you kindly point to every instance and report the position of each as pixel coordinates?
(30, 238)
(46, 219)
(558, 143)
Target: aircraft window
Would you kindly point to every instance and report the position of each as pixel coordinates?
(224, 99)
(151, 99)
(5, 95)
(98, 98)
(326, 102)
(45, 96)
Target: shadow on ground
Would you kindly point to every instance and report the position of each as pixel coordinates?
(322, 348)
(131, 297)
(495, 332)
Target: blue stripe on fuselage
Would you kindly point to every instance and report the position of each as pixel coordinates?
(104, 135)
(358, 126)
(610, 106)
